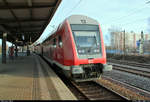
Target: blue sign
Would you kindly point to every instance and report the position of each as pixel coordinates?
(138, 43)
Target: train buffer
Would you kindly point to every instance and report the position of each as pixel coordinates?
(31, 78)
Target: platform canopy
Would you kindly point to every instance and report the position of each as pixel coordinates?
(25, 20)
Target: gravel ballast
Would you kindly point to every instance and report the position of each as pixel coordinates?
(135, 80)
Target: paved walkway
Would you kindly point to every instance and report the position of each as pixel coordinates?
(30, 78)
(0, 58)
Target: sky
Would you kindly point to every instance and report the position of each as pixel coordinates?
(131, 15)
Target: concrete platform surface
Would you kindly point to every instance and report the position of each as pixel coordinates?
(30, 78)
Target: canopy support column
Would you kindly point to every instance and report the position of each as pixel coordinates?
(4, 48)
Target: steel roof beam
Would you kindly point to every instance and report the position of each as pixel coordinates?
(6, 3)
(30, 10)
(3, 21)
(33, 26)
(26, 7)
(3, 27)
(27, 32)
(30, 5)
(53, 10)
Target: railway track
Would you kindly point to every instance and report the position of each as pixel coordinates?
(66, 81)
(142, 71)
(88, 90)
(133, 88)
(141, 65)
(93, 91)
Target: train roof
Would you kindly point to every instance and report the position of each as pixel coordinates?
(81, 19)
(74, 19)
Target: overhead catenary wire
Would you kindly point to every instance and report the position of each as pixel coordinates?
(75, 6)
(127, 15)
(131, 22)
(133, 12)
(123, 20)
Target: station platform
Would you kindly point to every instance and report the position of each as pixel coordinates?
(30, 78)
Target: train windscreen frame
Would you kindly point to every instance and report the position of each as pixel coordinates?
(87, 38)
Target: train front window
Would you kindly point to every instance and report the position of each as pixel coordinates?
(86, 38)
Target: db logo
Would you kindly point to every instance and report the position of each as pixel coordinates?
(90, 61)
(83, 21)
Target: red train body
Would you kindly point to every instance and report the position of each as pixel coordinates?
(77, 48)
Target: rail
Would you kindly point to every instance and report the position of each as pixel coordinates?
(133, 88)
(95, 91)
(131, 69)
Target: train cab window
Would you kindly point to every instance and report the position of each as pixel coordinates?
(60, 41)
(54, 43)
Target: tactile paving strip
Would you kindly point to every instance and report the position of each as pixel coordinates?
(36, 89)
(51, 88)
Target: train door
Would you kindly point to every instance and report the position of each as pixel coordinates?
(60, 50)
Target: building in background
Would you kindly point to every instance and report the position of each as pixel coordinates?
(130, 42)
(146, 46)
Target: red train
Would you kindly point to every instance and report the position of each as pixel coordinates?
(77, 48)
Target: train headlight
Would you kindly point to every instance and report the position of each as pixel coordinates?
(96, 50)
(81, 51)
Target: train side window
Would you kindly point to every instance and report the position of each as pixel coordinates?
(54, 42)
(60, 41)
